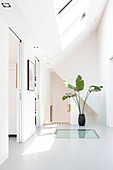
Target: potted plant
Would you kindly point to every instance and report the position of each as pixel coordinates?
(79, 86)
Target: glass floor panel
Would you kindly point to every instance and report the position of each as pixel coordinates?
(76, 133)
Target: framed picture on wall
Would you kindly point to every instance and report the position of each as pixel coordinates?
(30, 76)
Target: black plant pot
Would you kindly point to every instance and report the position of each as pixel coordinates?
(81, 120)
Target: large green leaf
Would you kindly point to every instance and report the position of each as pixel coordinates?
(94, 88)
(79, 83)
(69, 85)
(68, 95)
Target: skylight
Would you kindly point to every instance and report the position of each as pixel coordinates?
(74, 30)
(65, 5)
(71, 19)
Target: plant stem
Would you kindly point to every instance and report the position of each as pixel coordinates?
(78, 104)
(75, 101)
(87, 95)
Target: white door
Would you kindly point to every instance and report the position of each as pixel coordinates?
(15, 111)
(19, 114)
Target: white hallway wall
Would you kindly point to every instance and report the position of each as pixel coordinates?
(45, 94)
(3, 90)
(59, 110)
(28, 106)
(105, 49)
(85, 61)
(28, 97)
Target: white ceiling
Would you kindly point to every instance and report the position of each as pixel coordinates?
(35, 20)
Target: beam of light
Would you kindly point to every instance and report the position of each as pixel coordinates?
(41, 144)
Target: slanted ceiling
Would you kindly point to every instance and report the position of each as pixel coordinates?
(41, 21)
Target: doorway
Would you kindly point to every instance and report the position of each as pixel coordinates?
(15, 112)
(37, 87)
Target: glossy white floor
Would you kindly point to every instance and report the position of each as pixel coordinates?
(44, 152)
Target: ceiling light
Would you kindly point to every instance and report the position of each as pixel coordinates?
(35, 47)
(6, 5)
(47, 63)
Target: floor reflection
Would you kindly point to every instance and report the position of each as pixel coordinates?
(76, 133)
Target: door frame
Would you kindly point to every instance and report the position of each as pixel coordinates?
(37, 91)
(19, 88)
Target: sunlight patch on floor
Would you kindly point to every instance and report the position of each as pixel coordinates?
(41, 144)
